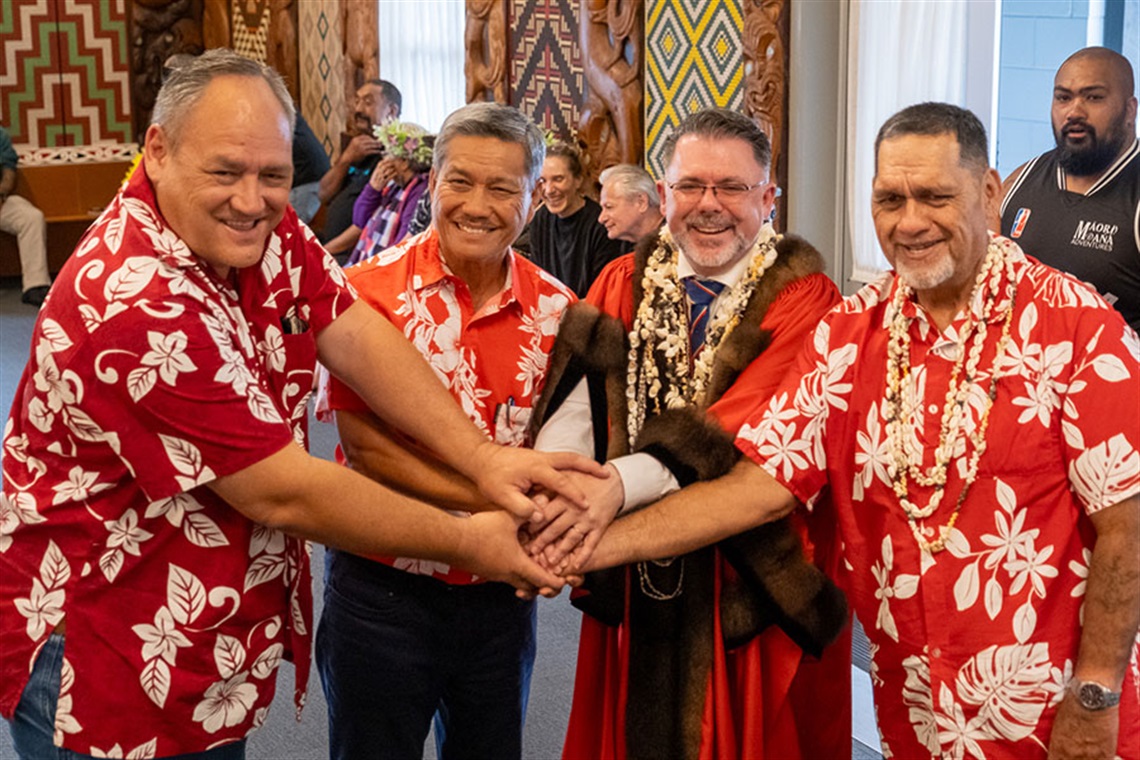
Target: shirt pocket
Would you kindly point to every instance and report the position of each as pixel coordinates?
(511, 424)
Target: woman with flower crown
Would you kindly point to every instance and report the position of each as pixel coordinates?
(388, 203)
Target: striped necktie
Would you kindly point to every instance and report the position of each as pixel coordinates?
(701, 295)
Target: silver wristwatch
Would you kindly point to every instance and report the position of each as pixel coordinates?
(1094, 696)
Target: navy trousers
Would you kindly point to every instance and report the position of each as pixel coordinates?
(396, 649)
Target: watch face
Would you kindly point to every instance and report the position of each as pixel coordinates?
(1092, 696)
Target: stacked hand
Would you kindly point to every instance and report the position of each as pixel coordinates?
(576, 499)
(568, 531)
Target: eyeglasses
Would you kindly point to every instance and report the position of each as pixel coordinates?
(727, 191)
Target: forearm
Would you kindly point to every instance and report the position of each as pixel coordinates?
(345, 241)
(332, 180)
(7, 181)
(375, 450)
(696, 516)
(324, 502)
(1112, 596)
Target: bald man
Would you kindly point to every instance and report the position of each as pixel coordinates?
(1077, 207)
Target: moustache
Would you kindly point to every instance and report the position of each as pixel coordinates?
(1082, 125)
(707, 219)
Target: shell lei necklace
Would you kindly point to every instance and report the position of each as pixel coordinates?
(964, 377)
(660, 331)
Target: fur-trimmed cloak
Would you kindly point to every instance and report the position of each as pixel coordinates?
(686, 694)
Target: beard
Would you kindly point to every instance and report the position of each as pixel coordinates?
(1093, 155)
(928, 277)
(706, 257)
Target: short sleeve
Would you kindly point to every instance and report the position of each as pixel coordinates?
(787, 436)
(1100, 411)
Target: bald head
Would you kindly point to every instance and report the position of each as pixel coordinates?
(1094, 111)
(1116, 66)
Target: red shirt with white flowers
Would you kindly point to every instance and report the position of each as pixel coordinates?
(149, 377)
(493, 361)
(972, 646)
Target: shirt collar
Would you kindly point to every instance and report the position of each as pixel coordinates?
(431, 269)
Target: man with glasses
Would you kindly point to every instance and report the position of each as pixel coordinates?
(695, 328)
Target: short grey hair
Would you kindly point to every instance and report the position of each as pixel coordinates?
(934, 119)
(721, 124)
(188, 81)
(630, 181)
(501, 122)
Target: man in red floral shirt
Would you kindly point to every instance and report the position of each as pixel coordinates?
(153, 572)
(400, 639)
(974, 414)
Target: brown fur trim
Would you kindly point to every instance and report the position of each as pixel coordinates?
(588, 341)
(698, 446)
(801, 598)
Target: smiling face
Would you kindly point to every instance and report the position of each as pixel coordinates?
(480, 201)
(224, 185)
(930, 214)
(560, 187)
(712, 231)
(371, 108)
(621, 214)
(1094, 117)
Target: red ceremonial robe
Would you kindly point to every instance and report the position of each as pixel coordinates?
(763, 699)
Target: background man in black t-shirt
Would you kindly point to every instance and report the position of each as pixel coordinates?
(1077, 207)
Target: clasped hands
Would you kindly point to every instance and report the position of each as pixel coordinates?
(556, 507)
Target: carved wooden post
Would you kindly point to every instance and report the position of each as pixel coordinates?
(281, 52)
(158, 30)
(361, 44)
(765, 77)
(485, 62)
(612, 40)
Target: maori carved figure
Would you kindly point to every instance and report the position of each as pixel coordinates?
(485, 63)
(159, 29)
(765, 77)
(612, 39)
(361, 44)
(216, 24)
(281, 52)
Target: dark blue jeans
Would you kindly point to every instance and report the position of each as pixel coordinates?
(34, 722)
(395, 649)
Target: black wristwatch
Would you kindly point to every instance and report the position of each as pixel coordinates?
(1094, 696)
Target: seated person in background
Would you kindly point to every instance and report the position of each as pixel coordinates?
(565, 237)
(20, 218)
(310, 163)
(631, 207)
(388, 203)
(377, 101)
(421, 217)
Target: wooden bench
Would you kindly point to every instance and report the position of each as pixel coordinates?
(71, 197)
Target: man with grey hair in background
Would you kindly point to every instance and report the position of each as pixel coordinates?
(631, 208)
(402, 640)
(156, 493)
